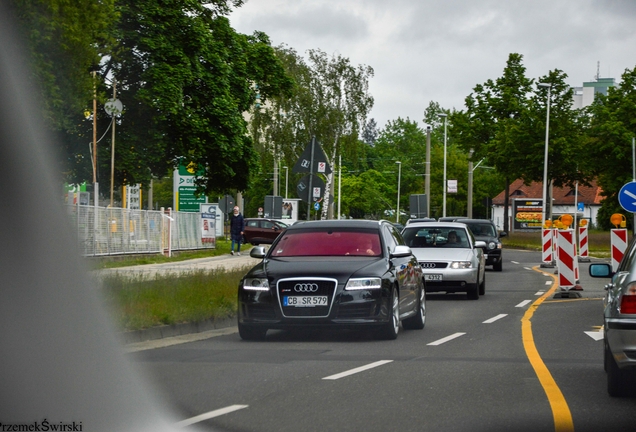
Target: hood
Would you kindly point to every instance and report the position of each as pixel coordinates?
(439, 254)
(340, 268)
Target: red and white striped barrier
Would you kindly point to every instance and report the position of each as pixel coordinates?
(618, 240)
(583, 246)
(546, 238)
(567, 263)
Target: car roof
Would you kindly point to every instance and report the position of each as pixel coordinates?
(335, 223)
(488, 221)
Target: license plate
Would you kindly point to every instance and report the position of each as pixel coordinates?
(305, 301)
(433, 277)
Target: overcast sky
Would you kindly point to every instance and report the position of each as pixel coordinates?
(438, 50)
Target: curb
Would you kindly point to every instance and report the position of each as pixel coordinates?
(167, 331)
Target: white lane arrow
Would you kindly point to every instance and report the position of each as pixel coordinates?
(628, 193)
(596, 335)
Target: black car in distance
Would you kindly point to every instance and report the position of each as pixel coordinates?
(486, 231)
(336, 273)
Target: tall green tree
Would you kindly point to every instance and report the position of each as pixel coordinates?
(490, 124)
(187, 77)
(612, 129)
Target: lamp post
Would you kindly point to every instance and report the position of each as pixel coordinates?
(286, 179)
(545, 156)
(397, 212)
(469, 204)
(444, 116)
(427, 178)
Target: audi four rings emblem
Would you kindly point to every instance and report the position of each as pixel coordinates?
(306, 287)
(427, 265)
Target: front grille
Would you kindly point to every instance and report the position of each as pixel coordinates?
(433, 265)
(325, 287)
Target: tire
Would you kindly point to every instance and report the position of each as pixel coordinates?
(418, 321)
(482, 287)
(617, 382)
(389, 331)
(498, 266)
(473, 291)
(251, 333)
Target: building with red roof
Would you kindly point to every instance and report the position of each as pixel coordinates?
(526, 201)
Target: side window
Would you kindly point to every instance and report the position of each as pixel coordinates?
(391, 238)
(267, 224)
(252, 223)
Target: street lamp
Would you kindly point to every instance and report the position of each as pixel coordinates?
(469, 204)
(444, 116)
(286, 178)
(545, 156)
(397, 212)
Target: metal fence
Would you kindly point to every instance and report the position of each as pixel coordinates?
(118, 231)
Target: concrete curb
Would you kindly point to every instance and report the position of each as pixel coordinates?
(167, 331)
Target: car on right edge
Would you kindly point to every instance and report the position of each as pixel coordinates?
(486, 231)
(619, 319)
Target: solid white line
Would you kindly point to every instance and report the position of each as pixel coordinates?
(538, 293)
(524, 303)
(495, 318)
(446, 339)
(209, 415)
(356, 370)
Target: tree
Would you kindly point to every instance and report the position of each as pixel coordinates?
(490, 124)
(187, 78)
(611, 131)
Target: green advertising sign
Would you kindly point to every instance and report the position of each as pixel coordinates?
(185, 198)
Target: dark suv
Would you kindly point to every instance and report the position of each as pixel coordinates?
(486, 231)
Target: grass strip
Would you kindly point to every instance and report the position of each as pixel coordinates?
(137, 302)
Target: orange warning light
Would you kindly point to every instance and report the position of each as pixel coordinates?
(566, 220)
(547, 224)
(583, 222)
(617, 220)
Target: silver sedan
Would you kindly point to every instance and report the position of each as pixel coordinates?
(451, 260)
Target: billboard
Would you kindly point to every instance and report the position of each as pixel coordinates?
(526, 214)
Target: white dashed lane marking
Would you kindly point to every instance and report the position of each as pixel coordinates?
(524, 303)
(209, 415)
(446, 339)
(495, 318)
(357, 370)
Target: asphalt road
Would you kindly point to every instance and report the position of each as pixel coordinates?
(471, 369)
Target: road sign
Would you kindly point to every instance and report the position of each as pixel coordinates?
(317, 206)
(627, 197)
(302, 189)
(320, 160)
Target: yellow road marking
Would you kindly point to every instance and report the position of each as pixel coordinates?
(560, 410)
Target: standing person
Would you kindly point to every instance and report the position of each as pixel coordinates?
(237, 226)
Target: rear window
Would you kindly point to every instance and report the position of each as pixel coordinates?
(328, 243)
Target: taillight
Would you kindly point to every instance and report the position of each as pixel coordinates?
(628, 300)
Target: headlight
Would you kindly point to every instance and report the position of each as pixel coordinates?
(492, 245)
(255, 284)
(460, 265)
(364, 283)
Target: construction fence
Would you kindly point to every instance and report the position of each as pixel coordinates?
(118, 231)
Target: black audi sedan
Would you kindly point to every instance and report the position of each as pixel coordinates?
(336, 273)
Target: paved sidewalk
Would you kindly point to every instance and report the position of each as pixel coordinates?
(228, 262)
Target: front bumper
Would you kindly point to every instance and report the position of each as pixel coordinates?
(453, 281)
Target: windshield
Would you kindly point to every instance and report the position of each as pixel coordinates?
(328, 243)
(483, 229)
(436, 237)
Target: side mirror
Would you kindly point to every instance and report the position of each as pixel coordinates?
(401, 251)
(601, 270)
(503, 234)
(481, 244)
(258, 252)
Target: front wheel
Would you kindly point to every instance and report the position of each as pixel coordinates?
(389, 331)
(418, 321)
(482, 287)
(498, 266)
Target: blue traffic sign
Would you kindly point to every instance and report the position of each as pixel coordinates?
(316, 206)
(627, 197)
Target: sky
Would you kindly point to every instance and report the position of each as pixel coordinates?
(426, 51)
